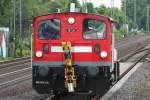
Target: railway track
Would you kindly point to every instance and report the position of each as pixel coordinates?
(142, 52)
(142, 49)
(145, 52)
(21, 68)
(11, 63)
(24, 72)
(138, 50)
(14, 71)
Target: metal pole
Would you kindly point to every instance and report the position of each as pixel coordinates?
(148, 18)
(86, 9)
(20, 27)
(82, 6)
(14, 37)
(135, 26)
(125, 18)
(125, 11)
(112, 7)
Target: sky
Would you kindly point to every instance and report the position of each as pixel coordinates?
(107, 3)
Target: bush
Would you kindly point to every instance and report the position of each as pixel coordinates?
(119, 34)
(26, 53)
(1, 58)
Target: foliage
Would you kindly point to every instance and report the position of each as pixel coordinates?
(118, 15)
(8, 58)
(5, 12)
(141, 11)
(119, 34)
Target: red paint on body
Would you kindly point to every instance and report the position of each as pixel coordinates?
(76, 38)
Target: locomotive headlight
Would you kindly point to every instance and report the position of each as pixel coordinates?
(71, 20)
(39, 54)
(103, 54)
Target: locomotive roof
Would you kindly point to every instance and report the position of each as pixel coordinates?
(77, 13)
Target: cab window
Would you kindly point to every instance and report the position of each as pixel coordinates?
(49, 29)
(94, 29)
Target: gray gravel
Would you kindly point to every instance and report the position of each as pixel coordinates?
(137, 87)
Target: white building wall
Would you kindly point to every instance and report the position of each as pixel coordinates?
(0, 51)
(4, 51)
(3, 47)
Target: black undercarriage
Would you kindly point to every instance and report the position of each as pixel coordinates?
(47, 79)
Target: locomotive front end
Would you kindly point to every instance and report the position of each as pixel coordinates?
(72, 52)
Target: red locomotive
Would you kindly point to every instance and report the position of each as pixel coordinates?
(71, 52)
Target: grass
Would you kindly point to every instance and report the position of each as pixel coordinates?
(8, 58)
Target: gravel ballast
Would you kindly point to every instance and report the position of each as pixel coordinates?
(137, 87)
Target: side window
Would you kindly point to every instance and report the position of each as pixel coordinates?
(49, 29)
(94, 29)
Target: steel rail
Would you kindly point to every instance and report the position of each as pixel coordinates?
(132, 66)
(147, 53)
(96, 97)
(136, 62)
(17, 59)
(14, 62)
(17, 63)
(14, 81)
(14, 72)
(125, 58)
(19, 66)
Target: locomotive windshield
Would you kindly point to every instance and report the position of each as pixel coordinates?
(49, 29)
(94, 29)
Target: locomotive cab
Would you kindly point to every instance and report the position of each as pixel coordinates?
(72, 52)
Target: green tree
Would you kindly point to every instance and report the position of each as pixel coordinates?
(5, 12)
(141, 11)
(90, 7)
